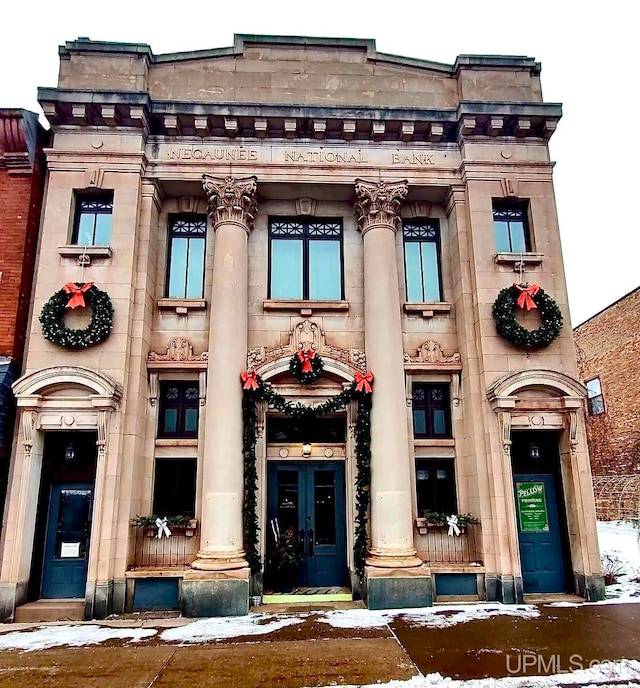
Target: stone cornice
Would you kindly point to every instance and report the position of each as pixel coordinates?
(136, 109)
(231, 200)
(379, 203)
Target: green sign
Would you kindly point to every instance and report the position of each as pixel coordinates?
(532, 507)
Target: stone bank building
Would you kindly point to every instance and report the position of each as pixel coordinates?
(280, 225)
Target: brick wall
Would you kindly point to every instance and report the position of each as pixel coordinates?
(608, 347)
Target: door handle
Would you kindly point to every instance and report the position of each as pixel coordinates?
(302, 541)
(310, 536)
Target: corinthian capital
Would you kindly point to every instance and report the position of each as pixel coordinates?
(231, 199)
(379, 203)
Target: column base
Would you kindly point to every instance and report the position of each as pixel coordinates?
(215, 594)
(219, 561)
(398, 588)
(392, 558)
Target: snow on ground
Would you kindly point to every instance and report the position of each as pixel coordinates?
(229, 627)
(74, 636)
(430, 617)
(619, 540)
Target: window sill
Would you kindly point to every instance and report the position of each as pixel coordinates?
(75, 251)
(427, 310)
(434, 443)
(514, 259)
(305, 307)
(182, 306)
(174, 442)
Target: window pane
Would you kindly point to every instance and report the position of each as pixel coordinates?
(518, 244)
(85, 229)
(178, 268)
(413, 270)
(286, 269)
(596, 405)
(103, 230)
(170, 420)
(430, 271)
(439, 422)
(324, 270)
(174, 491)
(501, 234)
(195, 275)
(419, 422)
(191, 420)
(593, 388)
(324, 507)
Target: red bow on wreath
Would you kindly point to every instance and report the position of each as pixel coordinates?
(305, 357)
(363, 382)
(76, 291)
(525, 300)
(250, 380)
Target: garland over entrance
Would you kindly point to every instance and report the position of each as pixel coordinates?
(526, 297)
(254, 390)
(77, 295)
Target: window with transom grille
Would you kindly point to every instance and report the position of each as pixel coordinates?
(179, 403)
(422, 260)
(511, 226)
(185, 262)
(92, 222)
(431, 411)
(305, 259)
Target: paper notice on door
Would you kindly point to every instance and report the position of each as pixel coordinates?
(69, 550)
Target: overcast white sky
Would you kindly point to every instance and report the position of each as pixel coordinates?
(589, 63)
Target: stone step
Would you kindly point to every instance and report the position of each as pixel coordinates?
(50, 610)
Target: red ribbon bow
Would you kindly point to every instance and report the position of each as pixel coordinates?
(305, 357)
(363, 382)
(525, 300)
(76, 291)
(250, 380)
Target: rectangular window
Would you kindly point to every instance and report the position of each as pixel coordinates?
(511, 227)
(185, 271)
(92, 221)
(422, 260)
(174, 488)
(305, 259)
(431, 411)
(436, 486)
(179, 403)
(595, 400)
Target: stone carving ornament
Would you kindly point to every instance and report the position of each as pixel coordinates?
(231, 199)
(179, 349)
(379, 203)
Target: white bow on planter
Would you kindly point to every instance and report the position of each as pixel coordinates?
(163, 529)
(452, 522)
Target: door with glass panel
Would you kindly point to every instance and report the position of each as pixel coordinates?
(306, 524)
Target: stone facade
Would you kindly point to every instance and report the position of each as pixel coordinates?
(607, 346)
(287, 143)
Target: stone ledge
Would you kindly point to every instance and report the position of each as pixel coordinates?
(514, 259)
(181, 306)
(76, 251)
(171, 442)
(305, 307)
(449, 442)
(427, 309)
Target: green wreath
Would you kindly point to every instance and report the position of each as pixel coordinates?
(504, 309)
(306, 366)
(52, 319)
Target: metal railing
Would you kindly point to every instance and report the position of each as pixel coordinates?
(442, 548)
(176, 551)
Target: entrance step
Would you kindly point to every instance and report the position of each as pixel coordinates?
(547, 597)
(50, 610)
(309, 596)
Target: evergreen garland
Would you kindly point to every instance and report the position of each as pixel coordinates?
(504, 309)
(54, 329)
(299, 410)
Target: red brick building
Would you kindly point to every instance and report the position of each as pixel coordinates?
(608, 349)
(21, 187)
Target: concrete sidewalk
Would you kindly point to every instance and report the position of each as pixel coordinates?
(299, 647)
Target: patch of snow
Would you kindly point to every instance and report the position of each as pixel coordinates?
(221, 628)
(619, 539)
(443, 616)
(74, 636)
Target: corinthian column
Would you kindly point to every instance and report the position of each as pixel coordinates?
(377, 211)
(232, 207)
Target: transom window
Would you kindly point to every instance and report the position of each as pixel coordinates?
(595, 399)
(179, 402)
(422, 260)
(511, 227)
(431, 411)
(305, 259)
(185, 271)
(318, 430)
(436, 486)
(92, 222)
